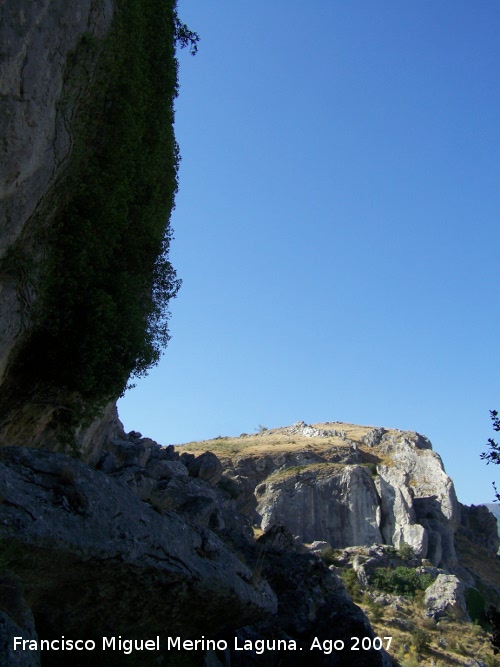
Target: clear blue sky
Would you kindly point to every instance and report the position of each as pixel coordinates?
(336, 226)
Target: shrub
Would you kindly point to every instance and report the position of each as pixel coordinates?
(475, 606)
(351, 582)
(329, 556)
(400, 581)
(421, 640)
(406, 552)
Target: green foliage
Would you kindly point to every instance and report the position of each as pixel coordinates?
(372, 467)
(493, 455)
(421, 640)
(106, 280)
(186, 37)
(330, 556)
(404, 581)
(476, 606)
(406, 552)
(351, 582)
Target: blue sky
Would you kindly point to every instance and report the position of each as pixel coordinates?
(336, 227)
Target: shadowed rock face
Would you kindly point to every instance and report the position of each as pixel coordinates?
(479, 525)
(37, 109)
(34, 125)
(96, 560)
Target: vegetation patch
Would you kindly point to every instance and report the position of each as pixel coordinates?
(476, 605)
(405, 581)
(351, 582)
(320, 469)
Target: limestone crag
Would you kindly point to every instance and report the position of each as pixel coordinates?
(349, 485)
(351, 516)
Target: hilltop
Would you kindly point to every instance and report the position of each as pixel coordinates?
(341, 489)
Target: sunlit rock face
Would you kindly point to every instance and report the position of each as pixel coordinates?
(349, 485)
(337, 504)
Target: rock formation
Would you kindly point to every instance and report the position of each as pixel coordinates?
(34, 126)
(348, 485)
(38, 104)
(446, 597)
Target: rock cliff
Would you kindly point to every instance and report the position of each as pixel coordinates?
(38, 102)
(346, 484)
(87, 183)
(148, 544)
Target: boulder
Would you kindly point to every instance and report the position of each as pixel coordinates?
(207, 467)
(446, 597)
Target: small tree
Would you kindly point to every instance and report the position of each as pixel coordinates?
(406, 552)
(493, 455)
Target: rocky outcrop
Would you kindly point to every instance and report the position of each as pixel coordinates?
(335, 503)
(74, 524)
(353, 486)
(480, 527)
(312, 603)
(188, 571)
(446, 597)
(419, 501)
(87, 184)
(38, 106)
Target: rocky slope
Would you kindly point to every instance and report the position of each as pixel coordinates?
(149, 544)
(375, 502)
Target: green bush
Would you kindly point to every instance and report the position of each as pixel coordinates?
(406, 552)
(400, 581)
(351, 582)
(421, 640)
(330, 556)
(476, 606)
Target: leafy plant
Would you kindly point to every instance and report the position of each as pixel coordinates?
(406, 552)
(475, 606)
(351, 582)
(493, 455)
(330, 556)
(421, 640)
(404, 581)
